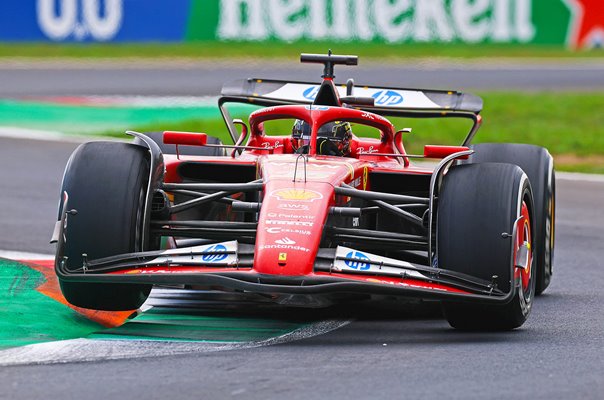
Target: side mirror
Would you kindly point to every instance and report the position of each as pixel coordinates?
(185, 138)
(433, 151)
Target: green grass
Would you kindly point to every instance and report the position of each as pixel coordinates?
(567, 123)
(211, 126)
(570, 125)
(228, 50)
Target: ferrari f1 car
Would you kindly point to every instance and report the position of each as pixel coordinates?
(314, 214)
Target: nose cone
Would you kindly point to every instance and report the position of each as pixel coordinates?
(297, 197)
(290, 226)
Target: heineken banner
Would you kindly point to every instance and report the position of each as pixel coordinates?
(572, 23)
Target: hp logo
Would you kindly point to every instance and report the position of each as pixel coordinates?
(311, 92)
(361, 265)
(212, 258)
(387, 98)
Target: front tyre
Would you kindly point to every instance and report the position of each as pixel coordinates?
(106, 184)
(538, 165)
(484, 229)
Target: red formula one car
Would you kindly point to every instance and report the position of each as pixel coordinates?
(306, 210)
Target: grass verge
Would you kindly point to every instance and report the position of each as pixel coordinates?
(274, 50)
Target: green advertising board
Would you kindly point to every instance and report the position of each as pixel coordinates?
(574, 23)
(571, 23)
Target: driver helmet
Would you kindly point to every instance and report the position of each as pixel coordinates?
(337, 133)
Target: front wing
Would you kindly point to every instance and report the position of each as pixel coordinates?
(340, 270)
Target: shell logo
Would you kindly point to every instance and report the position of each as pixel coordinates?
(292, 194)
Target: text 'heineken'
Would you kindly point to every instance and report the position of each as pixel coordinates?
(388, 20)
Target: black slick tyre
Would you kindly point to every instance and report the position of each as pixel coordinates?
(538, 165)
(484, 217)
(106, 184)
(158, 137)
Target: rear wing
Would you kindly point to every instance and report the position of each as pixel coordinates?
(390, 100)
(400, 102)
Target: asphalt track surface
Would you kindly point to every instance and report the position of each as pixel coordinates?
(162, 78)
(389, 350)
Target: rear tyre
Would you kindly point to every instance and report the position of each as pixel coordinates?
(538, 165)
(106, 184)
(478, 205)
(158, 137)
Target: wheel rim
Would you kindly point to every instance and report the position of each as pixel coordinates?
(524, 238)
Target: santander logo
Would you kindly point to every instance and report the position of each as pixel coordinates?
(285, 240)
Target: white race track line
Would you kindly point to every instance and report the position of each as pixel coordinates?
(575, 176)
(83, 350)
(22, 255)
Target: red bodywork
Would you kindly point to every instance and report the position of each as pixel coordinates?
(294, 212)
(308, 209)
